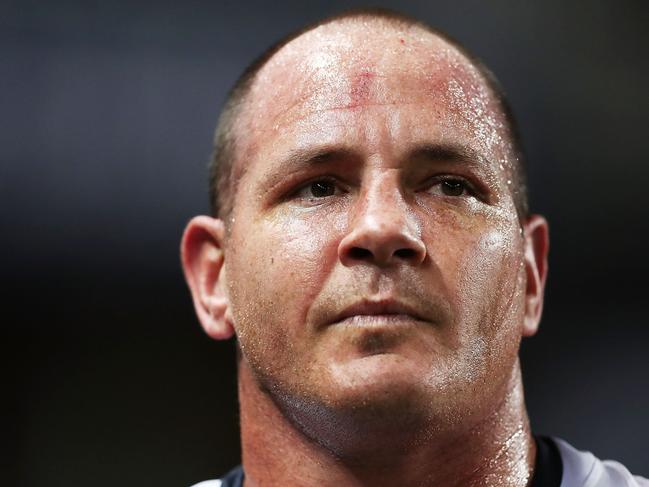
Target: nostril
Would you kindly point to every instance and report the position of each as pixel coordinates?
(359, 253)
(406, 254)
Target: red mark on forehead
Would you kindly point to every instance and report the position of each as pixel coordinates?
(360, 89)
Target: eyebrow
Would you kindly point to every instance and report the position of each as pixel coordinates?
(314, 156)
(451, 153)
(299, 159)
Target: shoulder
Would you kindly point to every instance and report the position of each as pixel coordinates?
(583, 469)
(234, 478)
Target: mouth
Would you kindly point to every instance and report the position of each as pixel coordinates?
(376, 313)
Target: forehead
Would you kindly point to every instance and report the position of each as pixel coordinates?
(348, 65)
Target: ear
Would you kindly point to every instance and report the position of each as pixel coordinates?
(203, 264)
(537, 244)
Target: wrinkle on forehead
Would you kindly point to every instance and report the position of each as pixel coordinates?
(355, 65)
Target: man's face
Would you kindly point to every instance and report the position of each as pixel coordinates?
(374, 254)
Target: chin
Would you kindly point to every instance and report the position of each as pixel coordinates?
(377, 370)
(383, 387)
(375, 396)
(374, 400)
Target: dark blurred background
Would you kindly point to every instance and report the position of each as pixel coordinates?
(107, 112)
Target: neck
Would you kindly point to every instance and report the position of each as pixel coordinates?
(497, 450)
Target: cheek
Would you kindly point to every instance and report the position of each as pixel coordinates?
(479, 256)
(276, 267)
(490, 281)
(481, 269)
(302, 248)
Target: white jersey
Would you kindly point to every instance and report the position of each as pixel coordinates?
(583, 469)
(580, 469)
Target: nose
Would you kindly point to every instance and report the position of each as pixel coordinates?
(383, 232)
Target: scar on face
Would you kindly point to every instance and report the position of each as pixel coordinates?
(361, 87)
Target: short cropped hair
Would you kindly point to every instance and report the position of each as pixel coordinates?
(223, 185)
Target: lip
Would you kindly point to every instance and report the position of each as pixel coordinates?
(387, 308)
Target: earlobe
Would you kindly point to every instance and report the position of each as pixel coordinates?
(204, 267)
(537, 243)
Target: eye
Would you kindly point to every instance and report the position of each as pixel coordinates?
(318, 189)
(454, 187)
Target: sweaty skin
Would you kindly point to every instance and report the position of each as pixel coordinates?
(374, 268)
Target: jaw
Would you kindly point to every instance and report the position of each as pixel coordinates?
(377, 441)
(370, 405)
(362, 401)
(403, 382)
